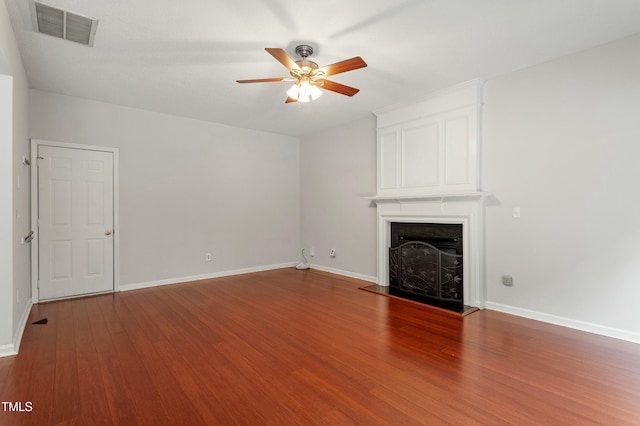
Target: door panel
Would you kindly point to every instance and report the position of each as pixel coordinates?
(75, 198)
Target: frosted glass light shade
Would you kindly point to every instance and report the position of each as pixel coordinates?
(304, 92)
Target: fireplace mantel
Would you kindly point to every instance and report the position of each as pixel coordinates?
(479, 196)
(466, 210)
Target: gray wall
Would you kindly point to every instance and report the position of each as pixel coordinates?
(338, 169)
(562, 141)
(187, 187)
(15, 277)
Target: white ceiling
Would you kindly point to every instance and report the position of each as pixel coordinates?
(183, 57)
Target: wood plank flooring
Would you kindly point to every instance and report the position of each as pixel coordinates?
(292, 347)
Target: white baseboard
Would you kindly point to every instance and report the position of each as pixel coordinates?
(12, 349)
(17, 335)
(345, 273)
(137, 286)
(566, 322)
(7, 350)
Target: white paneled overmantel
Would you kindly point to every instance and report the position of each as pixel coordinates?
(428, 171)
(431, 146)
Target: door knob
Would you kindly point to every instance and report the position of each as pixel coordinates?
(107, 232)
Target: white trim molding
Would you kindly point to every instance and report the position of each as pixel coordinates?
(566, 322)
(7, 350)
(344, 273)
(12, 349)
(169, 281)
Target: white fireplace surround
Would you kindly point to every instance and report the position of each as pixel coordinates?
(465, 210)
(428, 171)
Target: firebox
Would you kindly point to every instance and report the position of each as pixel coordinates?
(426, 263)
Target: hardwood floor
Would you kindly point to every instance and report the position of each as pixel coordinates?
(306, 347)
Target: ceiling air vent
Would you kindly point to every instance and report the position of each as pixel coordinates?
(63, 24)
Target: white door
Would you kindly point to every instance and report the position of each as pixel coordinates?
(75, 222)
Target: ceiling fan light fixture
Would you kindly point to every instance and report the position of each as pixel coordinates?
(315, 92)
(294, 91)
(303, 91)
(308, 92)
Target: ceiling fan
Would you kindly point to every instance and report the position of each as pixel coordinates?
(307, 77)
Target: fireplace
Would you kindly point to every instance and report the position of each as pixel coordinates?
(426, 263)
(428, 198)
(450, 223)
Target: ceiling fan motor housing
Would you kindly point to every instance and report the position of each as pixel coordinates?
(304, 51)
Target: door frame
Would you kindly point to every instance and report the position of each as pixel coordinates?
(35, 260)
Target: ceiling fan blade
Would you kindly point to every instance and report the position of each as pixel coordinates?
(339, 88)
(343, 66)
(261, 80)
(282, 57)
(290, 100)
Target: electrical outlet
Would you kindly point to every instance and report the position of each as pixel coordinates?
(207, 257)
(516, 212)
(332, 253)
(507, 280)
(312, 251)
